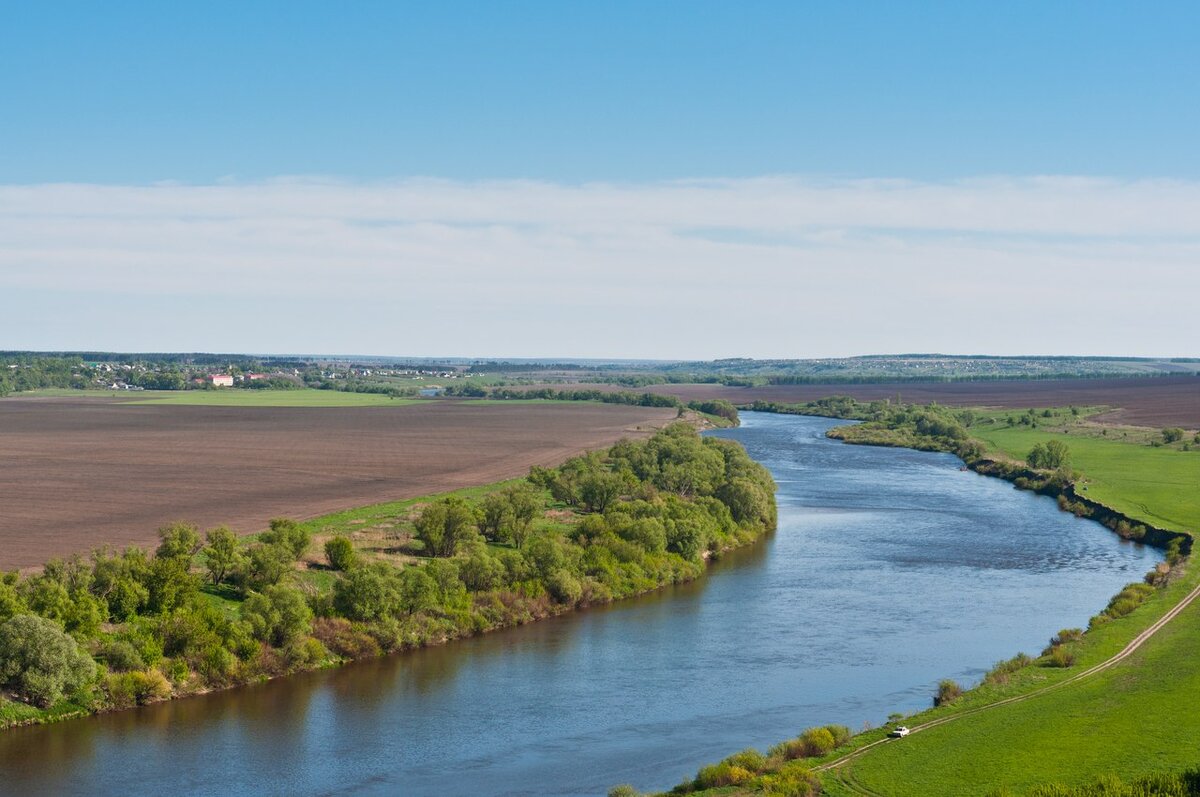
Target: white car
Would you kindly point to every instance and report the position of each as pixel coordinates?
(900, 732)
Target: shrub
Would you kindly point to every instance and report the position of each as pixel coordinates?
(288, 535)
(305, 653)
(122, 656)
(947, 692)
(722, 774)
(341, 637)
(1061, 656)
(40, 662)
(749, 759)
(277, 615)
(999, 674)
(136, 688)
(563, 586)
(624, 790)
(340, 553)
(1172, 435)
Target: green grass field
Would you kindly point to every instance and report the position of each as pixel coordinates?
(271, 398)
(1159, 485)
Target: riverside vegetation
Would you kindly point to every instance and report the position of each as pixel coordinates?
(121, 629)
(1135, 719)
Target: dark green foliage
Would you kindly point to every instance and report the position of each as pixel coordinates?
(40, 662)
(1172, 435)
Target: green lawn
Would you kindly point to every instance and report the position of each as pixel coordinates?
(271, 398)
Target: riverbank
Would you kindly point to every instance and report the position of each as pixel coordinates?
(599, 528)
(1033, 731)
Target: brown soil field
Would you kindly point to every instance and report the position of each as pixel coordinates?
(79, 473)
(1153, 401)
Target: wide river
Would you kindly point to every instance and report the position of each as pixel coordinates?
(890, 570)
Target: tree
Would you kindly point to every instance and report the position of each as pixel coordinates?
(600, 488)
(367, 593)
(1051, 455)
(494, 515)
(444, 525)
(177, 541)
(288, 535)
(747, 502)
(278, 615)
(222, 555)
(340, 553)
(40, 662)
(525, 505)
(1172, 435)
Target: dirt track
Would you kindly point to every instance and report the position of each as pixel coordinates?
(1157, 402)
(78, 473)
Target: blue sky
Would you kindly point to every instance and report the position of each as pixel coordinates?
(139, 92)
(600, 179)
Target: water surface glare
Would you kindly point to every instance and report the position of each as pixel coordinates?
(890, 570)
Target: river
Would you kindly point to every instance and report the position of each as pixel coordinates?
(890, 570)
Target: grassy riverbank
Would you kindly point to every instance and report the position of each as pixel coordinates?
(125, 629)
(1134, 718)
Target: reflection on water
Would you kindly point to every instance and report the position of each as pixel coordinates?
(890, 570)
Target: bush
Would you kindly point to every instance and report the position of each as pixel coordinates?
(136, 688)
(624, 790)
(40, 662)
(305, 653)
(341, 637)
(563, 586)
(1172, 435)
(999, 674)
(122, 656)
(340, 553)
(947, 692)
(277, 615)
(1061, 656)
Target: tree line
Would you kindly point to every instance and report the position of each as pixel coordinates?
(204, 611)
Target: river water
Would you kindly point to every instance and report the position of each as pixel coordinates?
(890, 570)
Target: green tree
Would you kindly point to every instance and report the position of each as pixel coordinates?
(598, 489)
(289, 535)
(444, 525)
(340, 553)
(222, 554)
(1051, 455)
(525, 505)
(494, 516)
(40, 662)
(177, 541)
(278, 615)
(1172, 435)
(747, 502)
(368, 593)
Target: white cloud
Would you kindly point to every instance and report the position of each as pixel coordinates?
(763, 267)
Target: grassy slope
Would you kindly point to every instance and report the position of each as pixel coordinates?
(271, 398)
(1136, 718)
(1159, 485)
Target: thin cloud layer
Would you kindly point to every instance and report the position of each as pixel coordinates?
(765, 267)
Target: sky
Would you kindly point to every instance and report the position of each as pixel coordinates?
(609, 179)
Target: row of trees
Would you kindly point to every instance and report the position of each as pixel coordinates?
(205, 611)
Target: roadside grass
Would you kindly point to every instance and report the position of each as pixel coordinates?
(1133, 719)
(272, 398)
